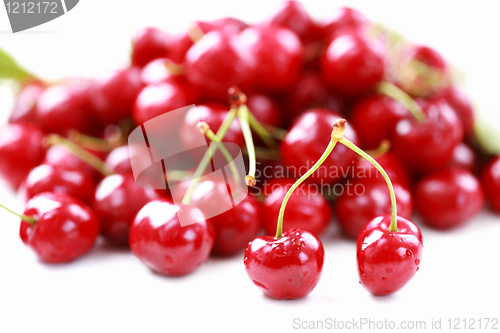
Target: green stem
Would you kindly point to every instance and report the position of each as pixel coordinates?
(394, 92)
(261, 131)
(29, 219)
(243, 117)
(394, 222)
(276, 132)
(206, 158)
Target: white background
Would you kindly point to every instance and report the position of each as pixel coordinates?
(110, 291)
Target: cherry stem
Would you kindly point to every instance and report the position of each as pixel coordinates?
(174, 69)
(276, 132)
(30, 219)
(74, 149)
(384, 147)
(195, 33)
(337, 134)
(224, 127)
(93, 143)
(394, 222)
(243, 117)
(205, 129)
(261, 131)
(396, 93)
(265, 154)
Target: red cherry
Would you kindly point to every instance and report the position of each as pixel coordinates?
(60, 158)
(217, 62)
(119, 160)
(20, 150)
(307, 208)
(148, 44)
(180, 44)
(47, 178)
(345, 19)
(460, 103)
(213, 114)
(448, 198)
(157, 99)
(352, 64)
(292, 15)
(117, 200)
(222, 24)
(265, 109)
(491, 183)
(388, 260)
(24, 109)
(366, 199)
(65, 107)
(279, 69)
(65, 228)
(305, 142)
(375, 117)
(428, 56)
(463, 157)
(236, 227)
(159, 241)
(157, 71)
(395, 170)
(285, 268)
(311, 92)
(429, 145)
(113, 95)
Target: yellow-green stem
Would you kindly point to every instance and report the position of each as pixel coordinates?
(243, 117)
(394, 92)
(261, 131)
(26, 218)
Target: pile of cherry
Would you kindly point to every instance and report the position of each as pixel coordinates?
(64, 150)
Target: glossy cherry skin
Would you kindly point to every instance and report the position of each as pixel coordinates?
(306, 141)
(375, 117)
(157, 71)
(20, 150)
(65, 107)
(285, 268)
(236, 227)
(180, 43)
(47, 178)
(119, 160)
(217, 62)
(159, 241)
(265, 109)
(309, 92)
(157, 99)
(24, 109)
(345, 19)
(60, 158)
(117, 200)
(279, 69)
(461, 104)
(463, 157)
(448, 198)
(388, 260)
(352, 64)
(221, 24)
(148, 44)
(394, 169)
(429, 145)
(65, 228)
(292, 15)
(367, 199)
(490, 179)
(306, 209)
(113, 95)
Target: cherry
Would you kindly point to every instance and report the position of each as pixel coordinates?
(64, 230)
(213, 114)
(20, 150)
(47, 178)
(367, 199)
(24, 109)
(490, 178)
(160, 70)
(60, 158)
(114, 94)
(428, 145)
(308, 209)
(304, 142)
(463, 157)
(157, 99)
(292, 15)
(345, 19)
(288, 267)
(375, 117)
(265, 109)
(149, 44)
(236, 227)
(386, 259)
(159, 241)
(352, 64)
(221, 24)
(460, 103)
(119, 160)
(217, 62)
(448, 198)
(65, 107)
(311, 92)
(279, 69)
(117, 200)
(180, 43)
(397, 173)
